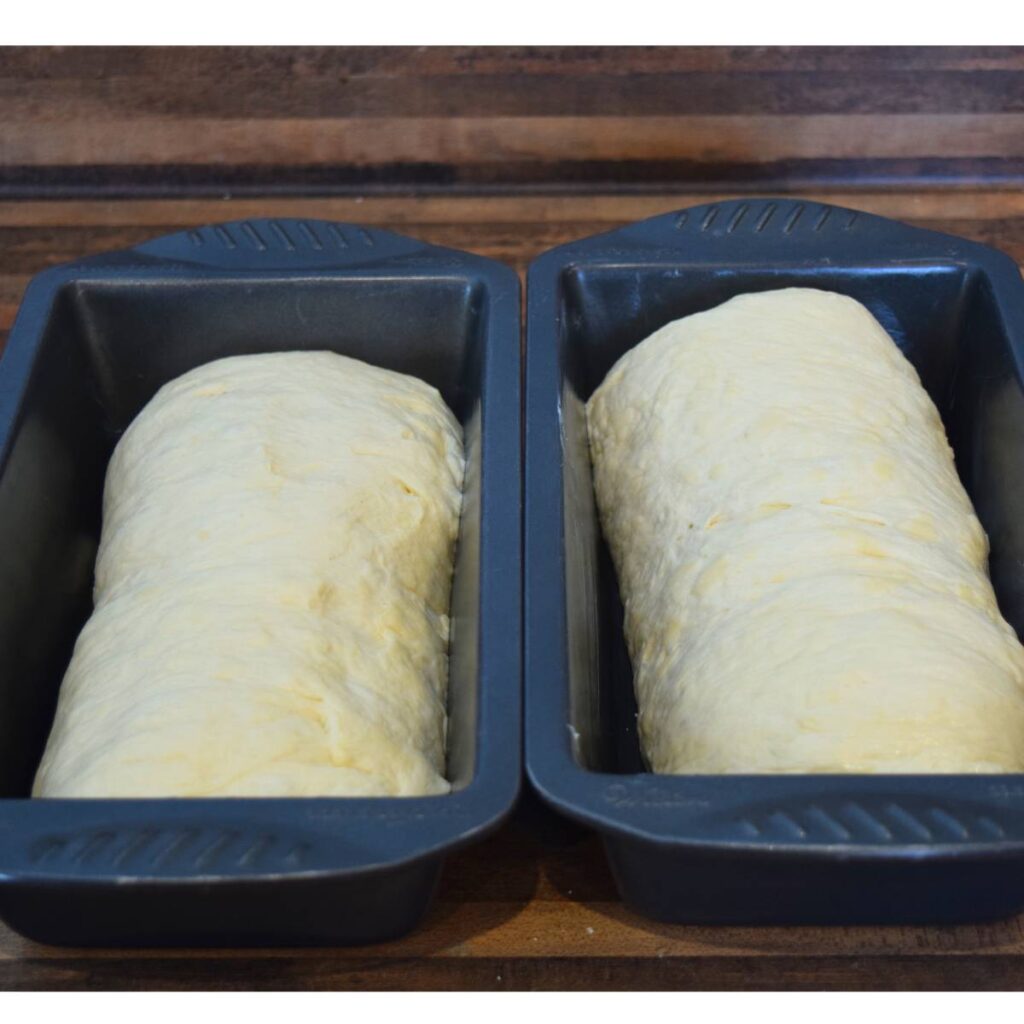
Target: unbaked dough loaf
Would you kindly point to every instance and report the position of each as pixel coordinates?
(272, 585)
(804, 579)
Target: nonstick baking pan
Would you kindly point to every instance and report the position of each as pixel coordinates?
(91, 344)
(782, 848)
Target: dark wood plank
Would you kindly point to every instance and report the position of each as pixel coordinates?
(169, 180)
(552, 93)
(285, 63)
(332, 972)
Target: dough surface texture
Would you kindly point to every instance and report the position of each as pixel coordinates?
(271, 591)
(804, 579)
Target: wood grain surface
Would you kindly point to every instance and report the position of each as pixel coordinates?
(165, 121)
(506, 152)
(533, 907)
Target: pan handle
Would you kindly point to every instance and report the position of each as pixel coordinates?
(269, 243)
(220, 840)
(781, 230)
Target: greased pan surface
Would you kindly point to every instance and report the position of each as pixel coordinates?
(837, 849)
(92, 343)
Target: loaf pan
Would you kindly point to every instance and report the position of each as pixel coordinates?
(824, 848)
(91, 344)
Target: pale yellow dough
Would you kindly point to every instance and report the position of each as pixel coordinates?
(272, 586)
(804, 578)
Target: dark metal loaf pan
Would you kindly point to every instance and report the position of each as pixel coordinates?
(825, 848)
(92, 342)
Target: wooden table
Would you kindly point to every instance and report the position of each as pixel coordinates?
(506, 153)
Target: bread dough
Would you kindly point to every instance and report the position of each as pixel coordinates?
(272, 586)
(804, 579)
